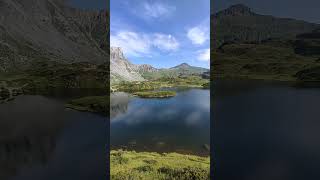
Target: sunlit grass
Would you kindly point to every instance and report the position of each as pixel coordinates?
(149, 165)
(190, 81)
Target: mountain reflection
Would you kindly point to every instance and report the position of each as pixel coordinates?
(176, 124)
(118, 104)
(41, 139)
(24, 152)
(189, 107)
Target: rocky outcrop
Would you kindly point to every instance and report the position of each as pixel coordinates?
(50, 30)
(143, 68)
(121, 69)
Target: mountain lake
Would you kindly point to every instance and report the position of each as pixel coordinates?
(177, 124)
(265, 130)
(41, 139)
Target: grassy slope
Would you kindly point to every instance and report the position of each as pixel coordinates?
(174, 72)
(273, 60)
(46, 76)
(49, 75)
(190, 81)
(146, 165)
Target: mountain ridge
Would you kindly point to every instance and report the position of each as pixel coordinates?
(182, 65)
(49, 30)
(265, 47)
(123, 70)
(239, 23)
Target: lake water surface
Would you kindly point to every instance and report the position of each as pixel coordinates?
(177, 124)
(41, 139)
(264, 130)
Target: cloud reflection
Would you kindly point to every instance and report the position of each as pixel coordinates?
(189, 108)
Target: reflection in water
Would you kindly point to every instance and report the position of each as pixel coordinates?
(118, 104)
(40, 139)
(24, 152)
(179, 124)
(28, 126)
(266, 131)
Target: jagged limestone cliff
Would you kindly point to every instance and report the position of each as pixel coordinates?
(121, 69)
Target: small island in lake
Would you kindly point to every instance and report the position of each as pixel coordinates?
(96, 104)
(155, 94)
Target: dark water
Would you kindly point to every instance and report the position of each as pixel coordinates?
(266, 131)
(40, 139)
(177, 124)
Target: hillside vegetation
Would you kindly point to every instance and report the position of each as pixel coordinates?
(189, 81)
(48, 76)
(147, 165)
(271, 59)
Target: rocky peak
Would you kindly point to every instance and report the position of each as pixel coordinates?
(236, 10)
(116, 53)
(122, 69)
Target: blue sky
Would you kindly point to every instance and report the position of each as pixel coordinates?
(162, 33)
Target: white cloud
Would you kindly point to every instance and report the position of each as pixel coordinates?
(142, 44)
(157, 9)
(204, 55)
(132, 43)
(165, 42)
(199, 34)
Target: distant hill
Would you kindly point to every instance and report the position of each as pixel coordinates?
(49, 30)
(239, 23)
(123, 70)
(180, 70)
